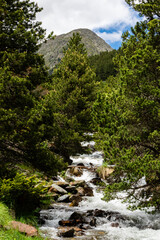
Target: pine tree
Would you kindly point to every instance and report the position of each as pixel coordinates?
(148, 8)
(74, 93)
(21, 71)
(103, 65)
(130, 130)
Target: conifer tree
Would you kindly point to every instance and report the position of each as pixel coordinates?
(21, 71)
(74, 88)
(128, 117)
(147, 8)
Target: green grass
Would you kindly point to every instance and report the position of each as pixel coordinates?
(15, 235)
(5, 217)
(10, 234)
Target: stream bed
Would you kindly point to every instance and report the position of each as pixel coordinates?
(120, 224)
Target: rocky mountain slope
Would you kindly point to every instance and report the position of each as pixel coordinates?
(53, 48)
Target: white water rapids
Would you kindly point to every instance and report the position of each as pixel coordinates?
(138, 224)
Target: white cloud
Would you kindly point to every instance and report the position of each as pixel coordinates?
(110, 37)
(62, 16)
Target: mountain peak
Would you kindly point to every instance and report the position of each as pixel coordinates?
(53, 48)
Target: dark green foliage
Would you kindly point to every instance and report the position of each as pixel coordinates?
(128, 117)
(22, 193)
(149, 8)
(76, 45)
(74, 93)
(21, 69)
(22, 74)
(103, 65)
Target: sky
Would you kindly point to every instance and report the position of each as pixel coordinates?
(107, 18)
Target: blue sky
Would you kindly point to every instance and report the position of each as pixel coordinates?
(107, 18)
(112, 35)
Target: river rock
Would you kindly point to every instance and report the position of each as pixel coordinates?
(24, 228)
(80, 164)
(80, 219)
(62, 184)
(115, 224)
(69, 222)
(71, 189)
(97, 213)
(88, 191)
(96, 180)
(76, 198)
(77, 217)
(54, 195)
(80, 183)
(58, 189)
(93, 222)
(66, 232)
(76, 171)
(109, 215)
(64, 198)
(77, 231)
(68, 178)
(74, 204)
(80, 191)
(45, 216)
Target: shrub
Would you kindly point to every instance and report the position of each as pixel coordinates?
(22, 193)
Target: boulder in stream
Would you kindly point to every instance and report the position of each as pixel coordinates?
(58, 189)
(80, 219)
(88, 191)
(75, 200)
(64, 198)
(62, 184)
(76, 171)
(71, 189)
(77, 217)
(66, 232)
(80, 183)
(85, 191)
(114, 224)
(96, 181)
(80, 191)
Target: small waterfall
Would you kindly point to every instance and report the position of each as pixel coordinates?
(136, 225)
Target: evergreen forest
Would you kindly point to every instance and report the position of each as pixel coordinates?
(44, 117)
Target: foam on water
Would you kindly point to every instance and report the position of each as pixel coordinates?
(87, 176)
(129, 233)
(87, 159)
(138, 225)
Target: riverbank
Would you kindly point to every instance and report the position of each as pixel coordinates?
(91, 217)
(74, 207)
(11, 229)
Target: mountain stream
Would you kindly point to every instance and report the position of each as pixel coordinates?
(130, 225)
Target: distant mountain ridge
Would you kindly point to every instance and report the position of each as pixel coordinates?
(53, 48)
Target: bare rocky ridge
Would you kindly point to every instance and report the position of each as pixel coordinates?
(53, 49)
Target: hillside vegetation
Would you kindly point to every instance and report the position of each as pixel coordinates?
(127, 112)
(103, 65)
(44, 117)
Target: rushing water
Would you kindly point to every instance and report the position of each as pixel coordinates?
(138, 225)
